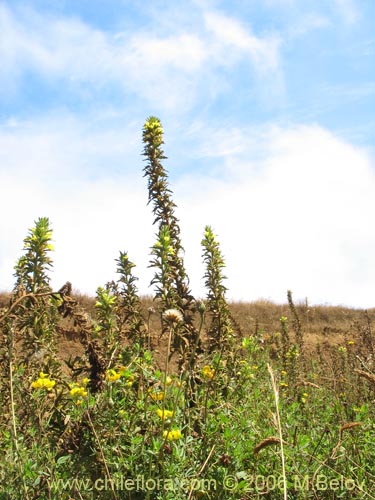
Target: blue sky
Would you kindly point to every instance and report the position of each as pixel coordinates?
(268, 110)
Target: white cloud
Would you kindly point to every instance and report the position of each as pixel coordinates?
(184, 52)
(52, 47)
(298, 218)
(233, 42)
(170, 70)
(264, 52)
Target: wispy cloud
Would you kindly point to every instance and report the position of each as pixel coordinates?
(166, 69)
(233, 42)
(230, 33)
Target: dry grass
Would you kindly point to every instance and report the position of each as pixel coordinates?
(324, 325)
(321, 324)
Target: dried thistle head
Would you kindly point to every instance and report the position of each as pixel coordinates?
(173, 316)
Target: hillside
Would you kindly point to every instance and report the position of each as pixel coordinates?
(322, 325)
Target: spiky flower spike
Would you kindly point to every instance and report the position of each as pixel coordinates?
(31, 268)
(160, 195)
(172, 281)
(221, 328)
(38, 316)
(158, 189)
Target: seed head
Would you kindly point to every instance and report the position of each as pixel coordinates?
(173, 316)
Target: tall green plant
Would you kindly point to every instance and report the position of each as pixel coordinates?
(160, 195)
(32, 317)
(37, 314)
(106, 327)
(131, 321)
(221, 328)
(170, 277)
(31, 269)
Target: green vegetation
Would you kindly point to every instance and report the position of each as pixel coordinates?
(218, 414)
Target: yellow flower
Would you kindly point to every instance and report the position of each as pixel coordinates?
(43, 382)
(156, 396)
(163, 414)
(85, 381)
(283, 384)
(172, 435)
(49, 384)
(304, 397)
(208, 372)
(112, 375)
(168, 380)
(351, 342)
(77, 391)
